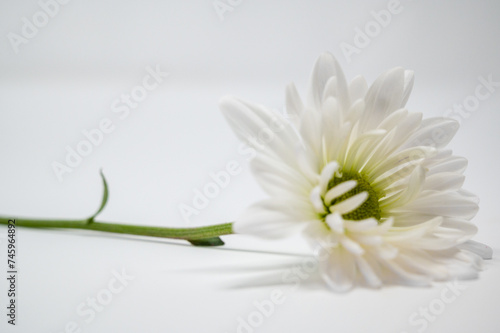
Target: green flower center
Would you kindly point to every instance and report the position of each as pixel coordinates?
(370, 208)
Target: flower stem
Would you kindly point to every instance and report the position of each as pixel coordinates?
(197, 236)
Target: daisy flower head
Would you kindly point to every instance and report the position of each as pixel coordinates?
(368, 183)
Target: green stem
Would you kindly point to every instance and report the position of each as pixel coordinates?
(197, 236)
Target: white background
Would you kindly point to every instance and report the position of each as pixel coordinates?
(64, 80)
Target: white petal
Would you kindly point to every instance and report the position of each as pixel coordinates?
(372, 240)
(339, 271)
(438, 158)
(393, 119)
(386, 225)
(408, 86)
(351, 246)
(311, 132)
(468, 195)
(361, 225)
(414, 186)
(483, 250)
(362, 145)
(332, 128)
(386, 251)
(326, 175)
(384, 97)
(275, 185)
(408, 219)
(319, 237)
(326, 67)
(330, 90)
(358, 88)
(278, 178)
(268, 219)
(424, 265)
(349, 204)
(470, 258)
(316, 200)
(367, 272)
(405, 276)
(411, 155)
(398, 167)
(406, 235)
(434, 132)
(308, 164)
(294, 105)
(335, 222)
(339, 190)
(356, 111)
(443, 204)
(450, 164)
(444, 181)
(464, 227)
(404, 130)
(250, 122)
(437, 241)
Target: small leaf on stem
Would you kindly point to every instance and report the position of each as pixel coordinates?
(104, 198)
(214, 241)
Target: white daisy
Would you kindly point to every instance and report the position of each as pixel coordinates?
(367, 182)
